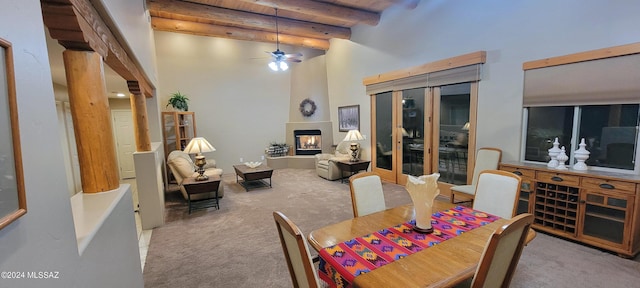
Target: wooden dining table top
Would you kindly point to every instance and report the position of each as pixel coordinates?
(445, 264)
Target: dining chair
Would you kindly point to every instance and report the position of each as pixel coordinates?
(502, 253)
(486, 158)
(366, 193)
(497, 193)
(296, 251)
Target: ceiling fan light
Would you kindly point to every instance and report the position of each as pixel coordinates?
(273, 66)
(284, 66)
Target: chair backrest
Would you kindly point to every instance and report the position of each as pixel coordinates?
(497, 193)
(366, 193)
(296, 251)
(502, 253)
(486, 159)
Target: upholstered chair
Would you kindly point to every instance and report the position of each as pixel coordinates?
(486, 158)
(325, 162)
(497, 193)
(182, 167)
(501, 254)
(366, 194)
(296, 252)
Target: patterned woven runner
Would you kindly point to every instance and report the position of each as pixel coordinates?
(341, 263)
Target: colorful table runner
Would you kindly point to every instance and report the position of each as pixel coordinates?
(341, 263)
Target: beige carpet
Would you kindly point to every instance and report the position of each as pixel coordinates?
(238, 246)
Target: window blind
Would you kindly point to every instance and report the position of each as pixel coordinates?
(469, 73)
(605, 81)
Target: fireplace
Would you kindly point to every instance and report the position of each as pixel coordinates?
(308, 142)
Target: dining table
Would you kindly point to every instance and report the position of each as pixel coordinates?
(442, 264)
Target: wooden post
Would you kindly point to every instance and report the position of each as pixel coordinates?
(140, 123)
(91, 120)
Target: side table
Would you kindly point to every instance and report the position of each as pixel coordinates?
(351, 166)
(206, 186)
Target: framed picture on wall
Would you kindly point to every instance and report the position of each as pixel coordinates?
(13, 203)
(349, 118)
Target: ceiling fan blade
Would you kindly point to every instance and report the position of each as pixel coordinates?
(293, 55)
(293, 60)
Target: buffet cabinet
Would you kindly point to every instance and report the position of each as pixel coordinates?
(178, 128)
(592, 207)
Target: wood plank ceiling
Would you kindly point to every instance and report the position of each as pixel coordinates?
(306, 23)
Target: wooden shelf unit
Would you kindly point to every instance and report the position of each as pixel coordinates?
(596, 208)
(178, 128)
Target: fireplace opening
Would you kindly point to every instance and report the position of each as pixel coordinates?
(308, 142)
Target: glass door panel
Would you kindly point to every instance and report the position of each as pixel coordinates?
(412, 123)
(383, 134)
(453, 144)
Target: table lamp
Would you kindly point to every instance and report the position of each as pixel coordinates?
(197, 146)
(354, 135)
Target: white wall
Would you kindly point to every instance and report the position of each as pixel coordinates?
(241, 106)
(512, 32)
(44, 239)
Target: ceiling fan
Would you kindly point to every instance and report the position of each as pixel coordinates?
(280, 59)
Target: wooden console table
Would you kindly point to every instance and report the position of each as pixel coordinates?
(597, 208)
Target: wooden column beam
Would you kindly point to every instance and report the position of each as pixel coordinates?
(321, 9)
(202, 29)
(228, 17)
(92, 121)
(77, 25)
(140, 118)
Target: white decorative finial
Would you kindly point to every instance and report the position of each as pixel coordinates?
(553, 153)
(581, 156)
(562, 157)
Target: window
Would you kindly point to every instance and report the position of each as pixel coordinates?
(610, 133)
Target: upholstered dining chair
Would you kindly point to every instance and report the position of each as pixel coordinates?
(497, 193)
(296, 251)
(502, 254)
(486, 158)
(366, 193)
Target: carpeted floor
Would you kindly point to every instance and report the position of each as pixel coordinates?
(238, 246)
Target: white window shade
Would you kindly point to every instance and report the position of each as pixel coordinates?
(608, 81)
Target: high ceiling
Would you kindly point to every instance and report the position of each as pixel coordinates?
(306, 23)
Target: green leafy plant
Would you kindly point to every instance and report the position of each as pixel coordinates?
(179, 101)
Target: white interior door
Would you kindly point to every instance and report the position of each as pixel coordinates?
(125, 145)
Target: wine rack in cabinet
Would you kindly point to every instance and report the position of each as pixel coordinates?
(596, 208)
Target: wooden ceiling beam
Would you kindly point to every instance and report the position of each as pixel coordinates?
(321, 9)
(203, 29)
(235, 18)
(77, 25)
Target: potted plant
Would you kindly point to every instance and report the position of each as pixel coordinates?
(179, 101)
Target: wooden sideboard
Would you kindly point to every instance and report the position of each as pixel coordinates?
(596, 208)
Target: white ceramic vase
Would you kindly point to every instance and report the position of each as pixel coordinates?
(423, 191)
(581, 155)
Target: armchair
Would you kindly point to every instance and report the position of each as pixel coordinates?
(325, 165)
(182, 167)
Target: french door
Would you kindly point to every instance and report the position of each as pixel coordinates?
(420, 131)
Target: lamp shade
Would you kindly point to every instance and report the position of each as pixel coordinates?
(466, 126)
(198, 145)
(353, 135)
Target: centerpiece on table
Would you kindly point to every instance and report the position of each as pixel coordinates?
(423, 191)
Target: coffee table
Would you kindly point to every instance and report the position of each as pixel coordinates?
(206, 186)
(253, 177)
